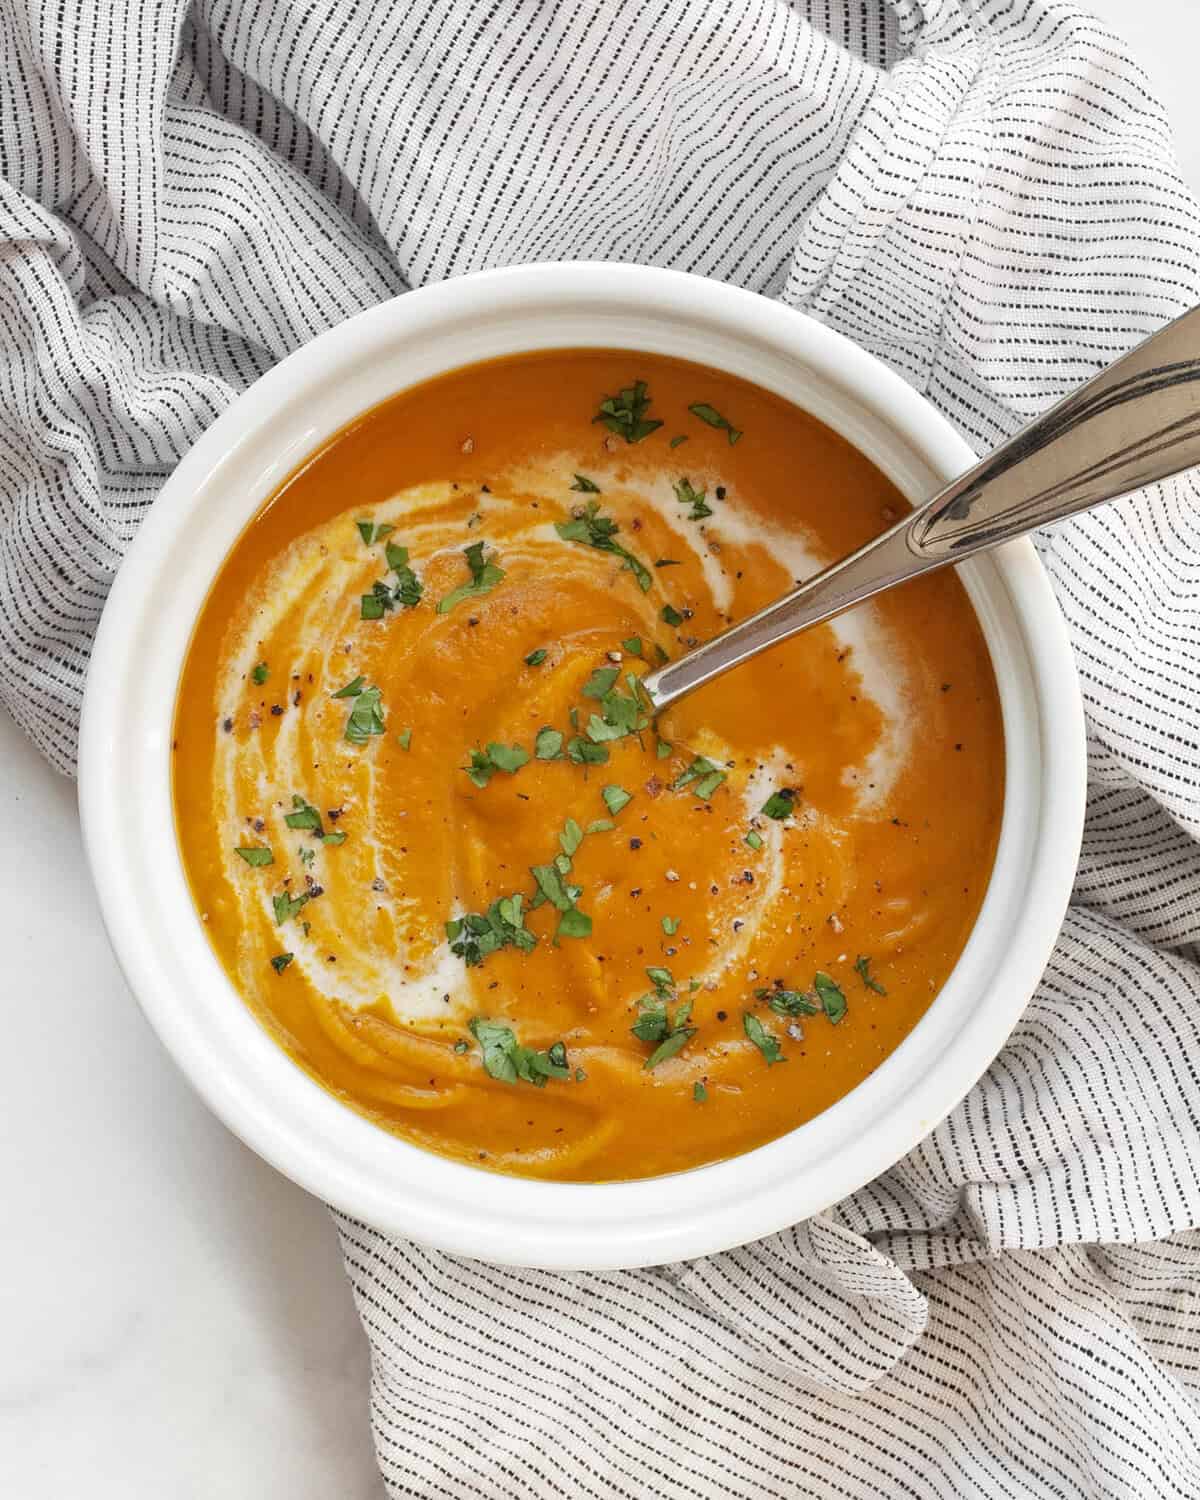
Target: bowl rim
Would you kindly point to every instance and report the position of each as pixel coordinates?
(289, 1119)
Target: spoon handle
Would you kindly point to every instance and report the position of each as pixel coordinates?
(1136, 422)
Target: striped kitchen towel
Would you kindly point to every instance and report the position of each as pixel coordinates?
(983, 193)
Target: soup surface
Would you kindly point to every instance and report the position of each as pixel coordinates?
(449, 860)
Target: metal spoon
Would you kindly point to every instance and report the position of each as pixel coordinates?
(1136, 422)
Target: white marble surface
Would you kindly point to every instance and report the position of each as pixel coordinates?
(173, 1316)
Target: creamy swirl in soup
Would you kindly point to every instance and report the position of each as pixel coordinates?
(450, 860)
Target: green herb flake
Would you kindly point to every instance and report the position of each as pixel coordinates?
(663, 750)
(548, 743)
(304, 815)
(754, 840)
(671, 616)
(571, 837)
(600, 682)
(281, 961)
(790, 1003)
(762, 1038)
(670, 925)
(287, 906)
(351, 690)
(585, 486)
(600, 825)
(408, 587)
(485, 575)
(505, 1059)
(625, 413)
(633, 645)
(779, 805)
(536, 658)
(679, 438)
(833, 1002)
(655, 1023)
(615, 798)
(485, 763)
(473, 937)
(334, 838)
(686, 495)
(260, 673)
(404, 739)
(257, 856)
(862, 967)
(699, 1093)
(574, 923)
(704, 774)
(580, 1076)
(583, 753)
(366, 717)
(462, 1046)
(588, 527)
(366, 530)
(714, 418)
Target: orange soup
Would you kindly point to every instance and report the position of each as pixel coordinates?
(458, 870)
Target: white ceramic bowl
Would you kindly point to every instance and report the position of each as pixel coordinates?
(125, 776)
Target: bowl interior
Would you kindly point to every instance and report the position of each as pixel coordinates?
(126, 794)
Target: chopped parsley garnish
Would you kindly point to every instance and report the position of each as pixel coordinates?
(485, 763)
(334, 838)
(574, 923)
(485, 575)
(714, 418)
(462, 1046)
(477, 934)
(663, 749)
(754, 839)
(656, 1024)
(699, 1093)
(677, 439)
(571, 837)
(371, 533)
(304, 815)
(670, 925)
(686, 495)
(287, 906)
(552, 888)
(384, 597)
(307, 856)
(536, 658)
(585, 486)
(281, 961)
(404, 739)
(706, 776)
(505, 1059)
(580, 1076)
(779, 804)
(366, 717)
(633, 645)
(833, 1002)
(600, 825)
(582, 752)
(789, 1003)
(625, 413)
(588, 527)
(257, 856)
(622, 712)
(600, 682)
(548, 743)
(615, 798)
(762, 1038)
(671, 616)
(409, 588)
(261, 673)
(862, 967)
